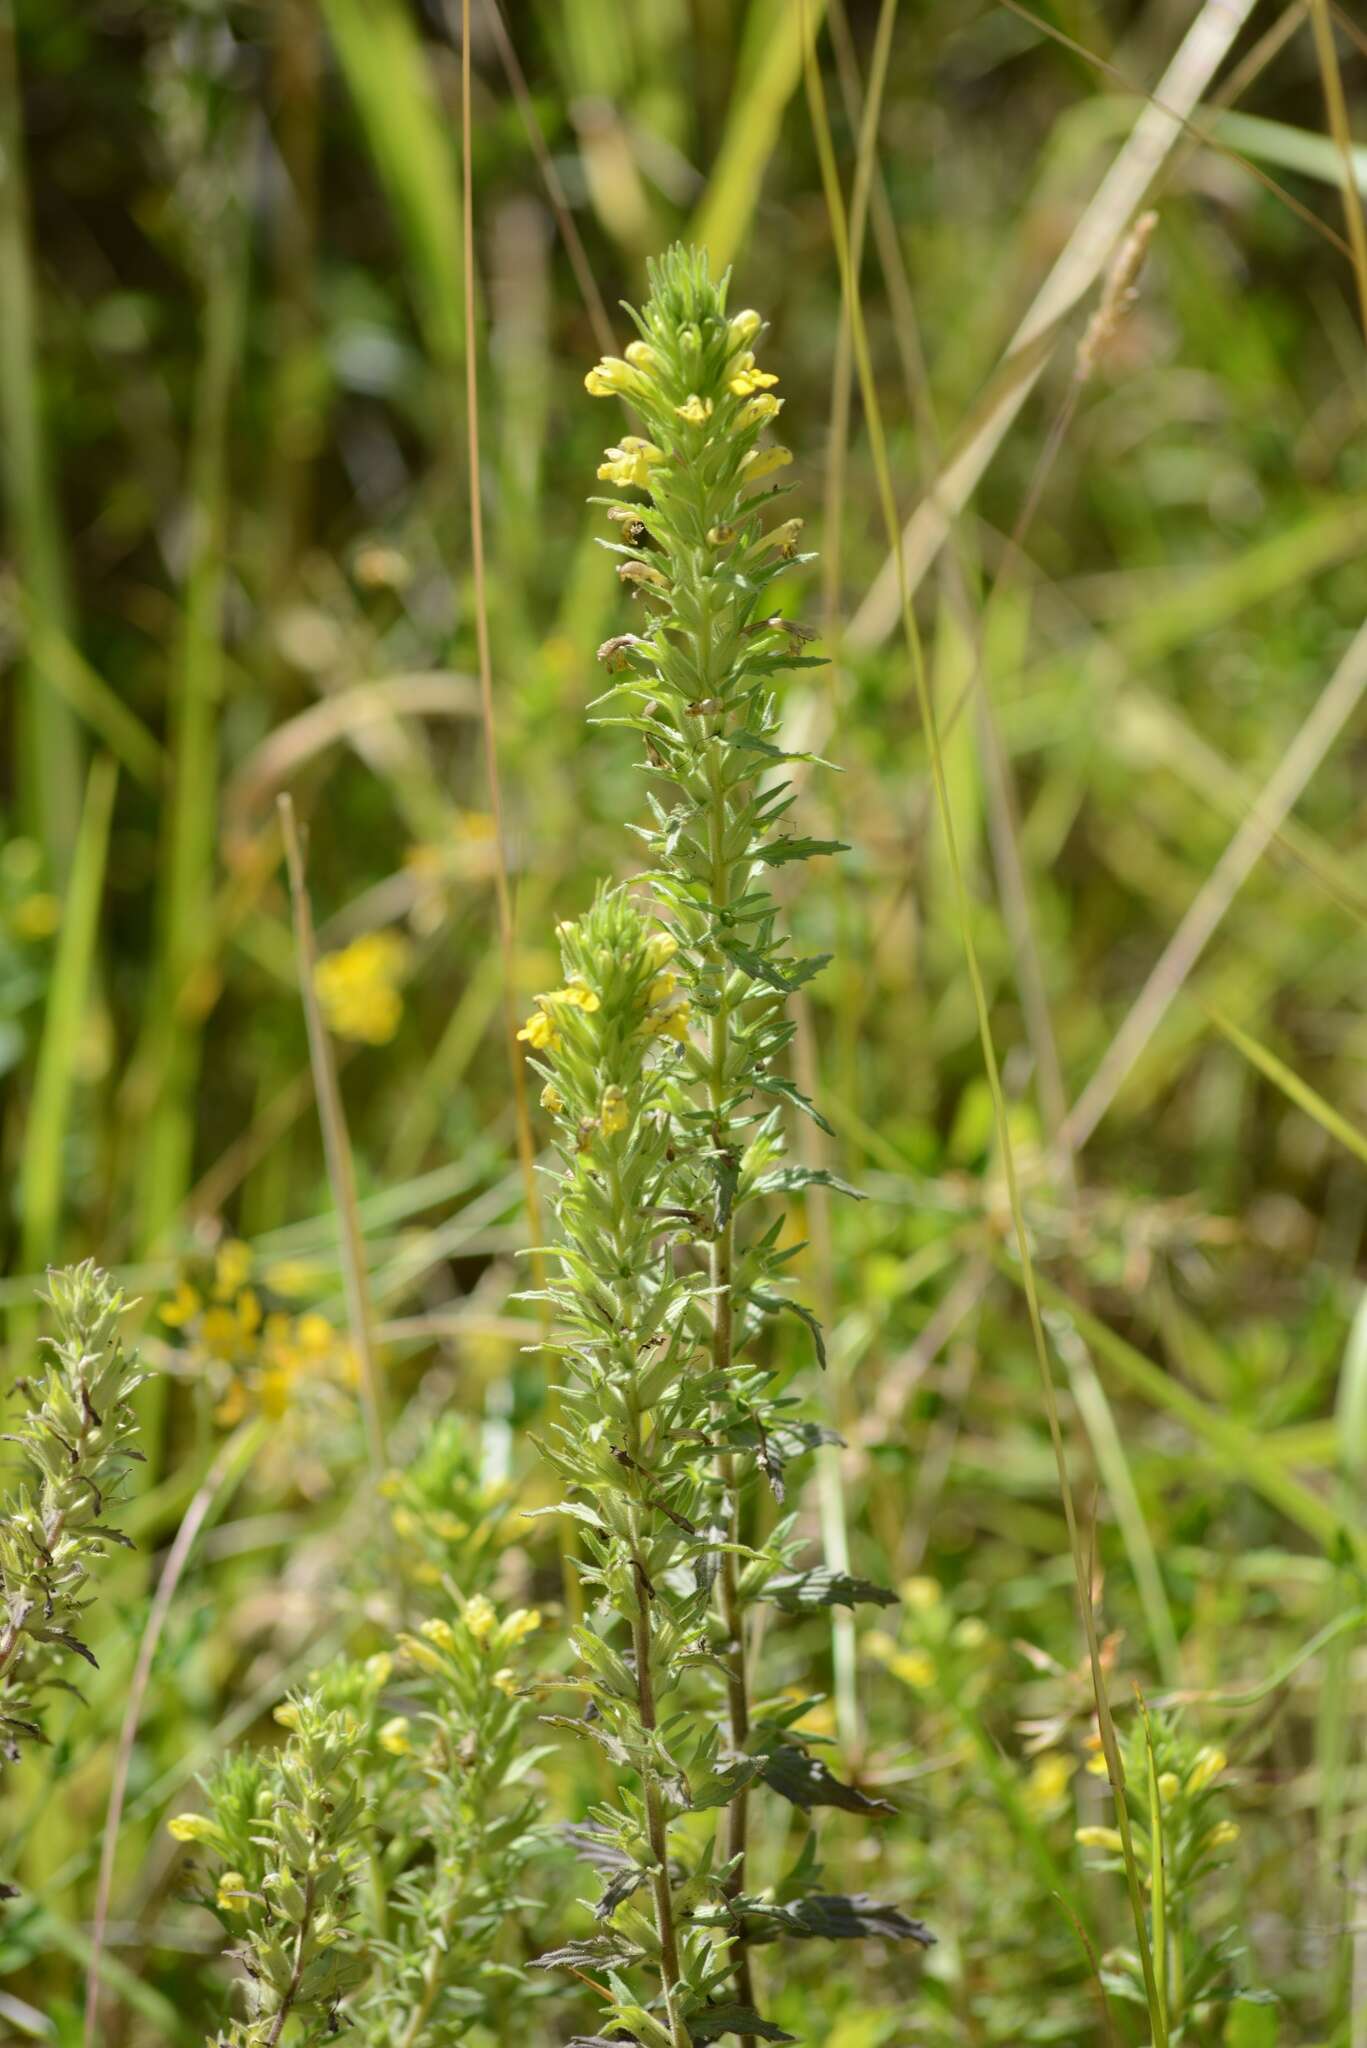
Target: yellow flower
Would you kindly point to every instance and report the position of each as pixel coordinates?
(608, 377)
(552, 1099)
(184, 1304)
(1047, 1785)
(631, 463)
(506, 1681)
(762, 462)
(379, 1669)
(393, 1737)
(220, 1333)
(248, 1306)
(697, 411)
(540, 1032)
(744, 327)
(440, 1632)
(523, 1622)
(1209, 1764)
(191, 1827)
(765, 407)
(783, 539)
(1169, 1785)
(479, 1618)
(576, 995)
(914, 1668)
(660, 947)
(1221, 1835)
(1099, 1838)
(670, 1020)
(233, 1896)
(358, 987)
(315, 1334)
(420, 1653)
(614, 1115)
(232, 1268)
(921, 1595)
(746, 379)
(232, 1407)
(287, 1714)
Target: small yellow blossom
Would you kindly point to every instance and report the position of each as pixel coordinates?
(746, 379)
(631, 463)
(783, 539)
(315, 1334)
(233, 1896)
(1097, 1766)
(287, 1714)
(643, 573)
(1169, 1785)
(1047, 1786)
(183, 1305)
(1099, 1838)
(765, 407)
(762, 462)
(358, 987)
(540, 1032)
(393, 1737)
(220, 1333)
(479, 1618)
(1222, 1835)
(576, 995)
(191, 1827)
(506, 1680)
(921, 1595)
(439, 1632)
(1208, 1766)
(609, 377)
(613, 1115)
(659, 948)
(914, 1668)
(697, 411)
(523, 1622)
(641, 355)
(552, 1099)
(379, 1669)
(232, 1268)
(743, 327)
(420, 1653)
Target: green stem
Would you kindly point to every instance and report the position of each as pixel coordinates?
(656, 1832)
(736, 1819)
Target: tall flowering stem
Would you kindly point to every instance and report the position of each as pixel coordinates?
(697, 685)
(660, 1059)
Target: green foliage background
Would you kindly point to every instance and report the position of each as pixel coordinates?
(232, 387)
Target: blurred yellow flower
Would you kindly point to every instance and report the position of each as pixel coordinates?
(358, 987)
(479, 1618)
(393, 1737)
(233, 1896)
(1099, 1838)
(631, 463)
(614, 1115)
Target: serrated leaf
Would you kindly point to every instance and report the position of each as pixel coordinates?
(781, 851)
(599, 1952)
(734, 2019)
(838, 1916)
(796, 1775)
(719, 1788)
(802, 1592)
(766, 1298)
(786, 1180)
(778, 1084)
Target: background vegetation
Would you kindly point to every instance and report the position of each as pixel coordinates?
(232, 378)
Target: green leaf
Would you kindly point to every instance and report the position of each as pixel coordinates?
(801, 1592)
(785, 1180)
(599, 1952)
(778, 1084)
(719, 1788)
(835, 1916)
(766, 1298)
(780, 851)
(803, 1779)
(734, 2019)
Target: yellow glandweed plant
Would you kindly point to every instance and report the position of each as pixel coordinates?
(660, 1057)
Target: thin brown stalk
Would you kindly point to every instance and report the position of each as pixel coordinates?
(1337, 108)
(337, 1149)
(550, 176)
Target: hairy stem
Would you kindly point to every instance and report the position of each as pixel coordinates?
(655, 1819)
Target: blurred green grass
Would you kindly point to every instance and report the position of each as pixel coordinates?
(231, 389)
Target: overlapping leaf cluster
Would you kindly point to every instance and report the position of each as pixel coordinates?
(659, 1054)
(75, 1443)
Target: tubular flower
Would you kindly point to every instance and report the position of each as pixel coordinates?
(631, 463)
